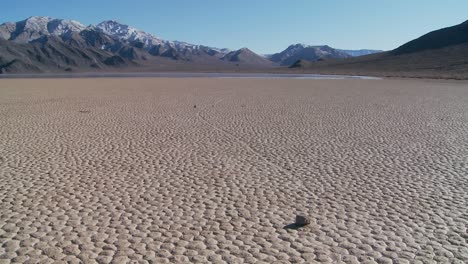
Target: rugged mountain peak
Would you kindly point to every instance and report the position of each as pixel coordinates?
(298, 45)
(56, 27)
(301, 46)
(172, 49)
(128, 33)
(38, 19)
(295, 47)
(6, 29)
(113, 27)
(36, 27)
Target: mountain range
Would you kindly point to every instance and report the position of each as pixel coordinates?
(44, 44)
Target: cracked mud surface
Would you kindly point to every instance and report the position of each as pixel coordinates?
(130, 171)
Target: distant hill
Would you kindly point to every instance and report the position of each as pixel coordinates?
(246, 56)
(304, 52)
(314, 53)
(439, 54)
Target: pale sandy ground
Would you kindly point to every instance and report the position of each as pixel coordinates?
(121, 170)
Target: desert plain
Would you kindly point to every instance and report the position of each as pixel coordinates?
(208, 170)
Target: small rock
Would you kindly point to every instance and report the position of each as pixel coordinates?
(302, 220)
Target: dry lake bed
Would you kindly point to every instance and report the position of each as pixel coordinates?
(209, 170)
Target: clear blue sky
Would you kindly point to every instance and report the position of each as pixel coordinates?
(265, 26)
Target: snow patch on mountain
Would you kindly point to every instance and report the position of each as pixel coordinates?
(36, 27)
(131, 34)
(128, 33)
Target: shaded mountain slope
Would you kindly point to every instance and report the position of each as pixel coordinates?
(48, 54)
(437, 39)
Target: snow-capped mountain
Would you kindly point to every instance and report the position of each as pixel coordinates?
(44, 43)
(36, 27)
(128, 33)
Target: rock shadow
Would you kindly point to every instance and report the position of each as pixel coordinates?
(293, 226)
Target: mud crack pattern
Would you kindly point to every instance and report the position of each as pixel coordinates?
(129, 171)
